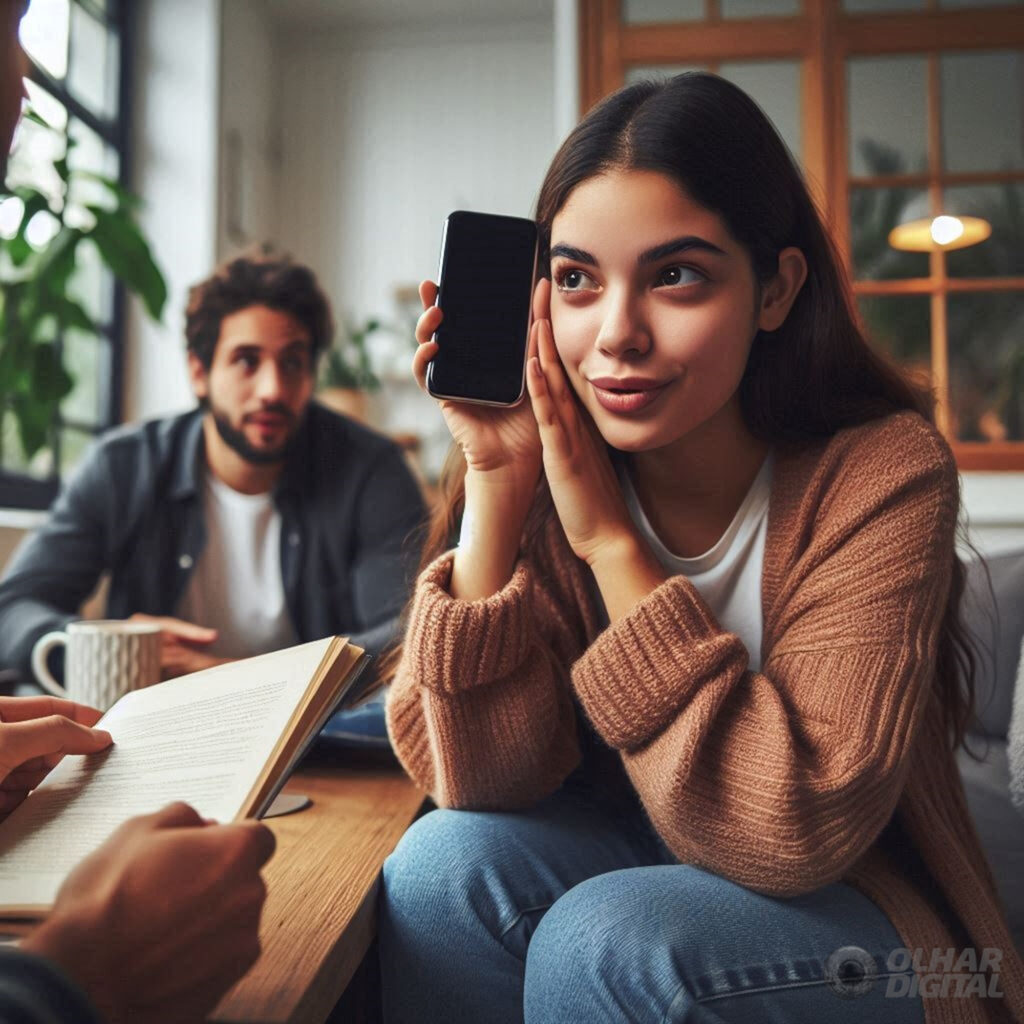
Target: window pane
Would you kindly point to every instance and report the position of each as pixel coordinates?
(759, 8)
(986, 365)
(46, 105)
(874, 212)
(887, 137)
(44, 35)
(658, 72)
(12, 455)
(859, 6)
(90, 153)
(775, 85)
(31, 163)
(73, 444)
(900, 326)
(87, 359)
(982, 111)
(980, 3)
(92, 284)
(639, 12)
(94, 64)
(1002, 253)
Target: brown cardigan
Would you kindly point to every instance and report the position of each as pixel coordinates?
(781, 780)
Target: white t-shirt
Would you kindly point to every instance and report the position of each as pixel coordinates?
(728, 576)
(236, 586)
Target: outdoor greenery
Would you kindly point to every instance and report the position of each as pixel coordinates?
(37, 300)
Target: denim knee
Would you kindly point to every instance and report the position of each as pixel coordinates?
(453, 866)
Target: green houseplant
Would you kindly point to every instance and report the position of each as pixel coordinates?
(346, 375)
(37, 300)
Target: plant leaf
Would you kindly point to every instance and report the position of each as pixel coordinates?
(127, 254)
(50, 381)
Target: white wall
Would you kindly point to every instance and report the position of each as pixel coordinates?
(249, 139)
(174, 169)
(385, 131)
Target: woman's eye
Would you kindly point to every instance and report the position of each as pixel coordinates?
(671, 277)
(574, 281)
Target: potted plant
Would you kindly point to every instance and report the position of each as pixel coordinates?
(37, 300)
(347, 377)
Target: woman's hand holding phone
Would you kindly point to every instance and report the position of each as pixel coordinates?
(500, 440)
(502, 448)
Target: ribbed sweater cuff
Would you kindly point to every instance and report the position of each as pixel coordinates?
(634, 679)
(455, 645)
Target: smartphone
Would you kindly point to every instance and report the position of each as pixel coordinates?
(485, 288)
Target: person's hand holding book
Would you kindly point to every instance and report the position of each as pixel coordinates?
(161, 920)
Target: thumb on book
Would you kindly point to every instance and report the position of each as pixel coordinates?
(46, 737)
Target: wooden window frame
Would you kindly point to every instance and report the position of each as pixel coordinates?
(822, 38)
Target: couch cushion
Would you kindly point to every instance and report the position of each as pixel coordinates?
(1015, 745)
(997, 630)
(1000, 826)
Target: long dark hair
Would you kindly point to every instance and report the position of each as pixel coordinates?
(810, 378)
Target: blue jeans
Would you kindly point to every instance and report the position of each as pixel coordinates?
(561, 914)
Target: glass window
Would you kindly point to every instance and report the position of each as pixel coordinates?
(75, 46)
(73, 444)
(887, 137)
(775, 85)
(93, 64)
(882, 6)
(640, 12)
(86, 358)
(1001, 254)
(899, 326)
(658, 72)
(980, 3)
(986, 365)
(982, 111)
(759, 8)
(874, 212)
(44, 35)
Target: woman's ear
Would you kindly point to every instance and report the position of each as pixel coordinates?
(778, 296)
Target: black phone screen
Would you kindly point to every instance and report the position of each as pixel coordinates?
(486, 286)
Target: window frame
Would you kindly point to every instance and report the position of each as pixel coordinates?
(822, 38)
(22, 490)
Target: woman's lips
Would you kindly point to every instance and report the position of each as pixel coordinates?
(627, 396)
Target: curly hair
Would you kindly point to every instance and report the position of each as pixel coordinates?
(256, 279)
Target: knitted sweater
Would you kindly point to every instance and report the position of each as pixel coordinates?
(831, 763)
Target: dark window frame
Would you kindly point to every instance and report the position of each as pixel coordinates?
(21, 490)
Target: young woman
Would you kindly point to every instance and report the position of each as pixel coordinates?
(687, 690)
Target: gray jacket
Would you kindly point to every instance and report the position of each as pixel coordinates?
(350, 513)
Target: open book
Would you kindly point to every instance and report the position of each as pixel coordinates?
(223, 740)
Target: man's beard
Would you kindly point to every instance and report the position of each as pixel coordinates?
(236, 440)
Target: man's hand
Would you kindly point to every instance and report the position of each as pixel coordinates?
(163, 918)
(181, 645)
(35, 733)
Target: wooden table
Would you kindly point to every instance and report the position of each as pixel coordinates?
(321, 889)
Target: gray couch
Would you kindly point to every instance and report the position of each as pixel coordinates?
(999, 630)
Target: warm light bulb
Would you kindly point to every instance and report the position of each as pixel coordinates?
(946, 229)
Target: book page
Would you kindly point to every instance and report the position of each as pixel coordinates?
(203, 739)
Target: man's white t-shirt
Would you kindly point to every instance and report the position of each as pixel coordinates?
(728, 576)
(236, 586)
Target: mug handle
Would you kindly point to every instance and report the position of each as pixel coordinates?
(40, 653)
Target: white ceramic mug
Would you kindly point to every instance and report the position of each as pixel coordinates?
(105, 658)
